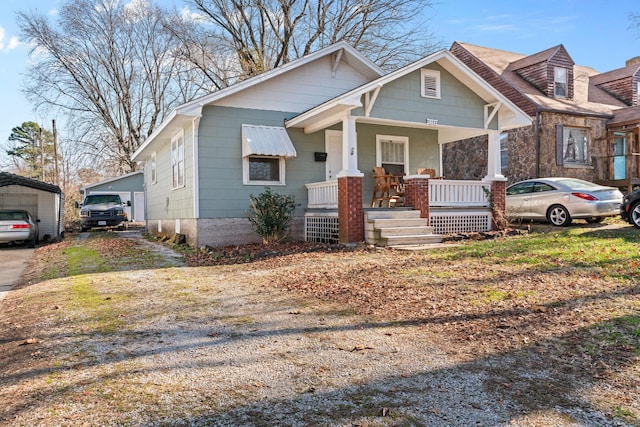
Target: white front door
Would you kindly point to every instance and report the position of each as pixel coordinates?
(333, 147)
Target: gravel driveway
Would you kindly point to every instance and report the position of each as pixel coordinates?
(213, 346)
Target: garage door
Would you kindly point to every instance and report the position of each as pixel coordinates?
(27, 202)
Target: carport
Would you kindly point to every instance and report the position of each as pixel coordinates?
(44, 201)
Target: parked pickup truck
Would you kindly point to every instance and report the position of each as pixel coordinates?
(104, 211)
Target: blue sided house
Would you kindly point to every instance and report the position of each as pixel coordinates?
(360, 149)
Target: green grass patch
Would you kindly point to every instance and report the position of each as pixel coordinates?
(614, 253)
(101, 311)
(82, 260)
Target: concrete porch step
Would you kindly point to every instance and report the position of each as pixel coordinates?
(397, 228)
(405, 231)
(396, 241)
(391, 214)
(399, 222)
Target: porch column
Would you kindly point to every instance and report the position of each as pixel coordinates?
(416, 194)
(494, 163)
(349, 148)
(350, 209)
(499, 205)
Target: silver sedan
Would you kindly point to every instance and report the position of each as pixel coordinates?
(18, 226)
(560, 200)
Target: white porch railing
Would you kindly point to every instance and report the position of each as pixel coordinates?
(322, 195)
(442, 193)
(449, 193)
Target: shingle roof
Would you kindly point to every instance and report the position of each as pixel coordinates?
(625, 115)
(620, 73)
(588, 99)
(7, 178)
(545, 55)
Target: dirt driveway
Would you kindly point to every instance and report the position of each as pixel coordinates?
(142, 340)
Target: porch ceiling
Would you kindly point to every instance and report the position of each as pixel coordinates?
(445, 133)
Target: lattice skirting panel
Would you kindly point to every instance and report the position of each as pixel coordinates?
(460, 222)
(321, 228)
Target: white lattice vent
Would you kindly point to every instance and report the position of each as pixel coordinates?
(321, 228)
(460, 222)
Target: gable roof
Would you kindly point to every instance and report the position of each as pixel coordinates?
(330, 112)
(539, 57)
(108, 180)
(185, 113)
(588, 99)
(7, 179)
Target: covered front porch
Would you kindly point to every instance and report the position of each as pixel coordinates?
(400, 123)
(452, 206)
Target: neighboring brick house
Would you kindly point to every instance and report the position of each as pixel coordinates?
(585, 123)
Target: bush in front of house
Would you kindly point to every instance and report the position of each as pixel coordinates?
(271, 215)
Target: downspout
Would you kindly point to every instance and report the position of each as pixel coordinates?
(196, 181)
(538, 143)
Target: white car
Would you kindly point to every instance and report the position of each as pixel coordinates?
(561, 200)
(18, 227)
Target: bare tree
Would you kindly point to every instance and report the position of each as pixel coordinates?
(634, 24)
(264, 34)
(111, 66)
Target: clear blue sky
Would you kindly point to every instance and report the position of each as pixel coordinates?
(596, 33)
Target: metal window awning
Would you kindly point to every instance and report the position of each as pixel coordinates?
(266, 141)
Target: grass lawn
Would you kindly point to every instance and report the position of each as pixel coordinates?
(552, 317)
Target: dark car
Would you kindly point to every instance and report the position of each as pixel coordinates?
(630, 208)
(103, 211)
(17, 226)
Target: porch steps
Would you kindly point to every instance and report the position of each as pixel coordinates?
(397, 228)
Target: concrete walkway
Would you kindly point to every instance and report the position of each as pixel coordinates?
(13, 261)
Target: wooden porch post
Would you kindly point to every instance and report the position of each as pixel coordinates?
(350, 208)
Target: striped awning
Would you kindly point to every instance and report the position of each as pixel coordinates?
(266, 141)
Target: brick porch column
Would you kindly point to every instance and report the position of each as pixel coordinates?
(499, 198)
(416, 194)
(350, 211)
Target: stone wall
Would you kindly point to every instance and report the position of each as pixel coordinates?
(467, 159)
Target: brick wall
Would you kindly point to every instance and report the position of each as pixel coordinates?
(498, 196)
(350, 212)
(416, 195)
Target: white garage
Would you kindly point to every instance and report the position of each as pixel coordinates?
(44, 201)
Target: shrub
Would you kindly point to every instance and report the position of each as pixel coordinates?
(271, 215)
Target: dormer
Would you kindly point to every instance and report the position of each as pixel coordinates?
(550, 71)
(623, 83)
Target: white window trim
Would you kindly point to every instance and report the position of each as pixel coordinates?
(398, 139)
(435, 74)
(565, 82)
(281, 167)
(174, 141)
(153, 168)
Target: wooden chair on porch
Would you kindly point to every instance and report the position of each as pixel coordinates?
(429, 171)
(387, 189)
